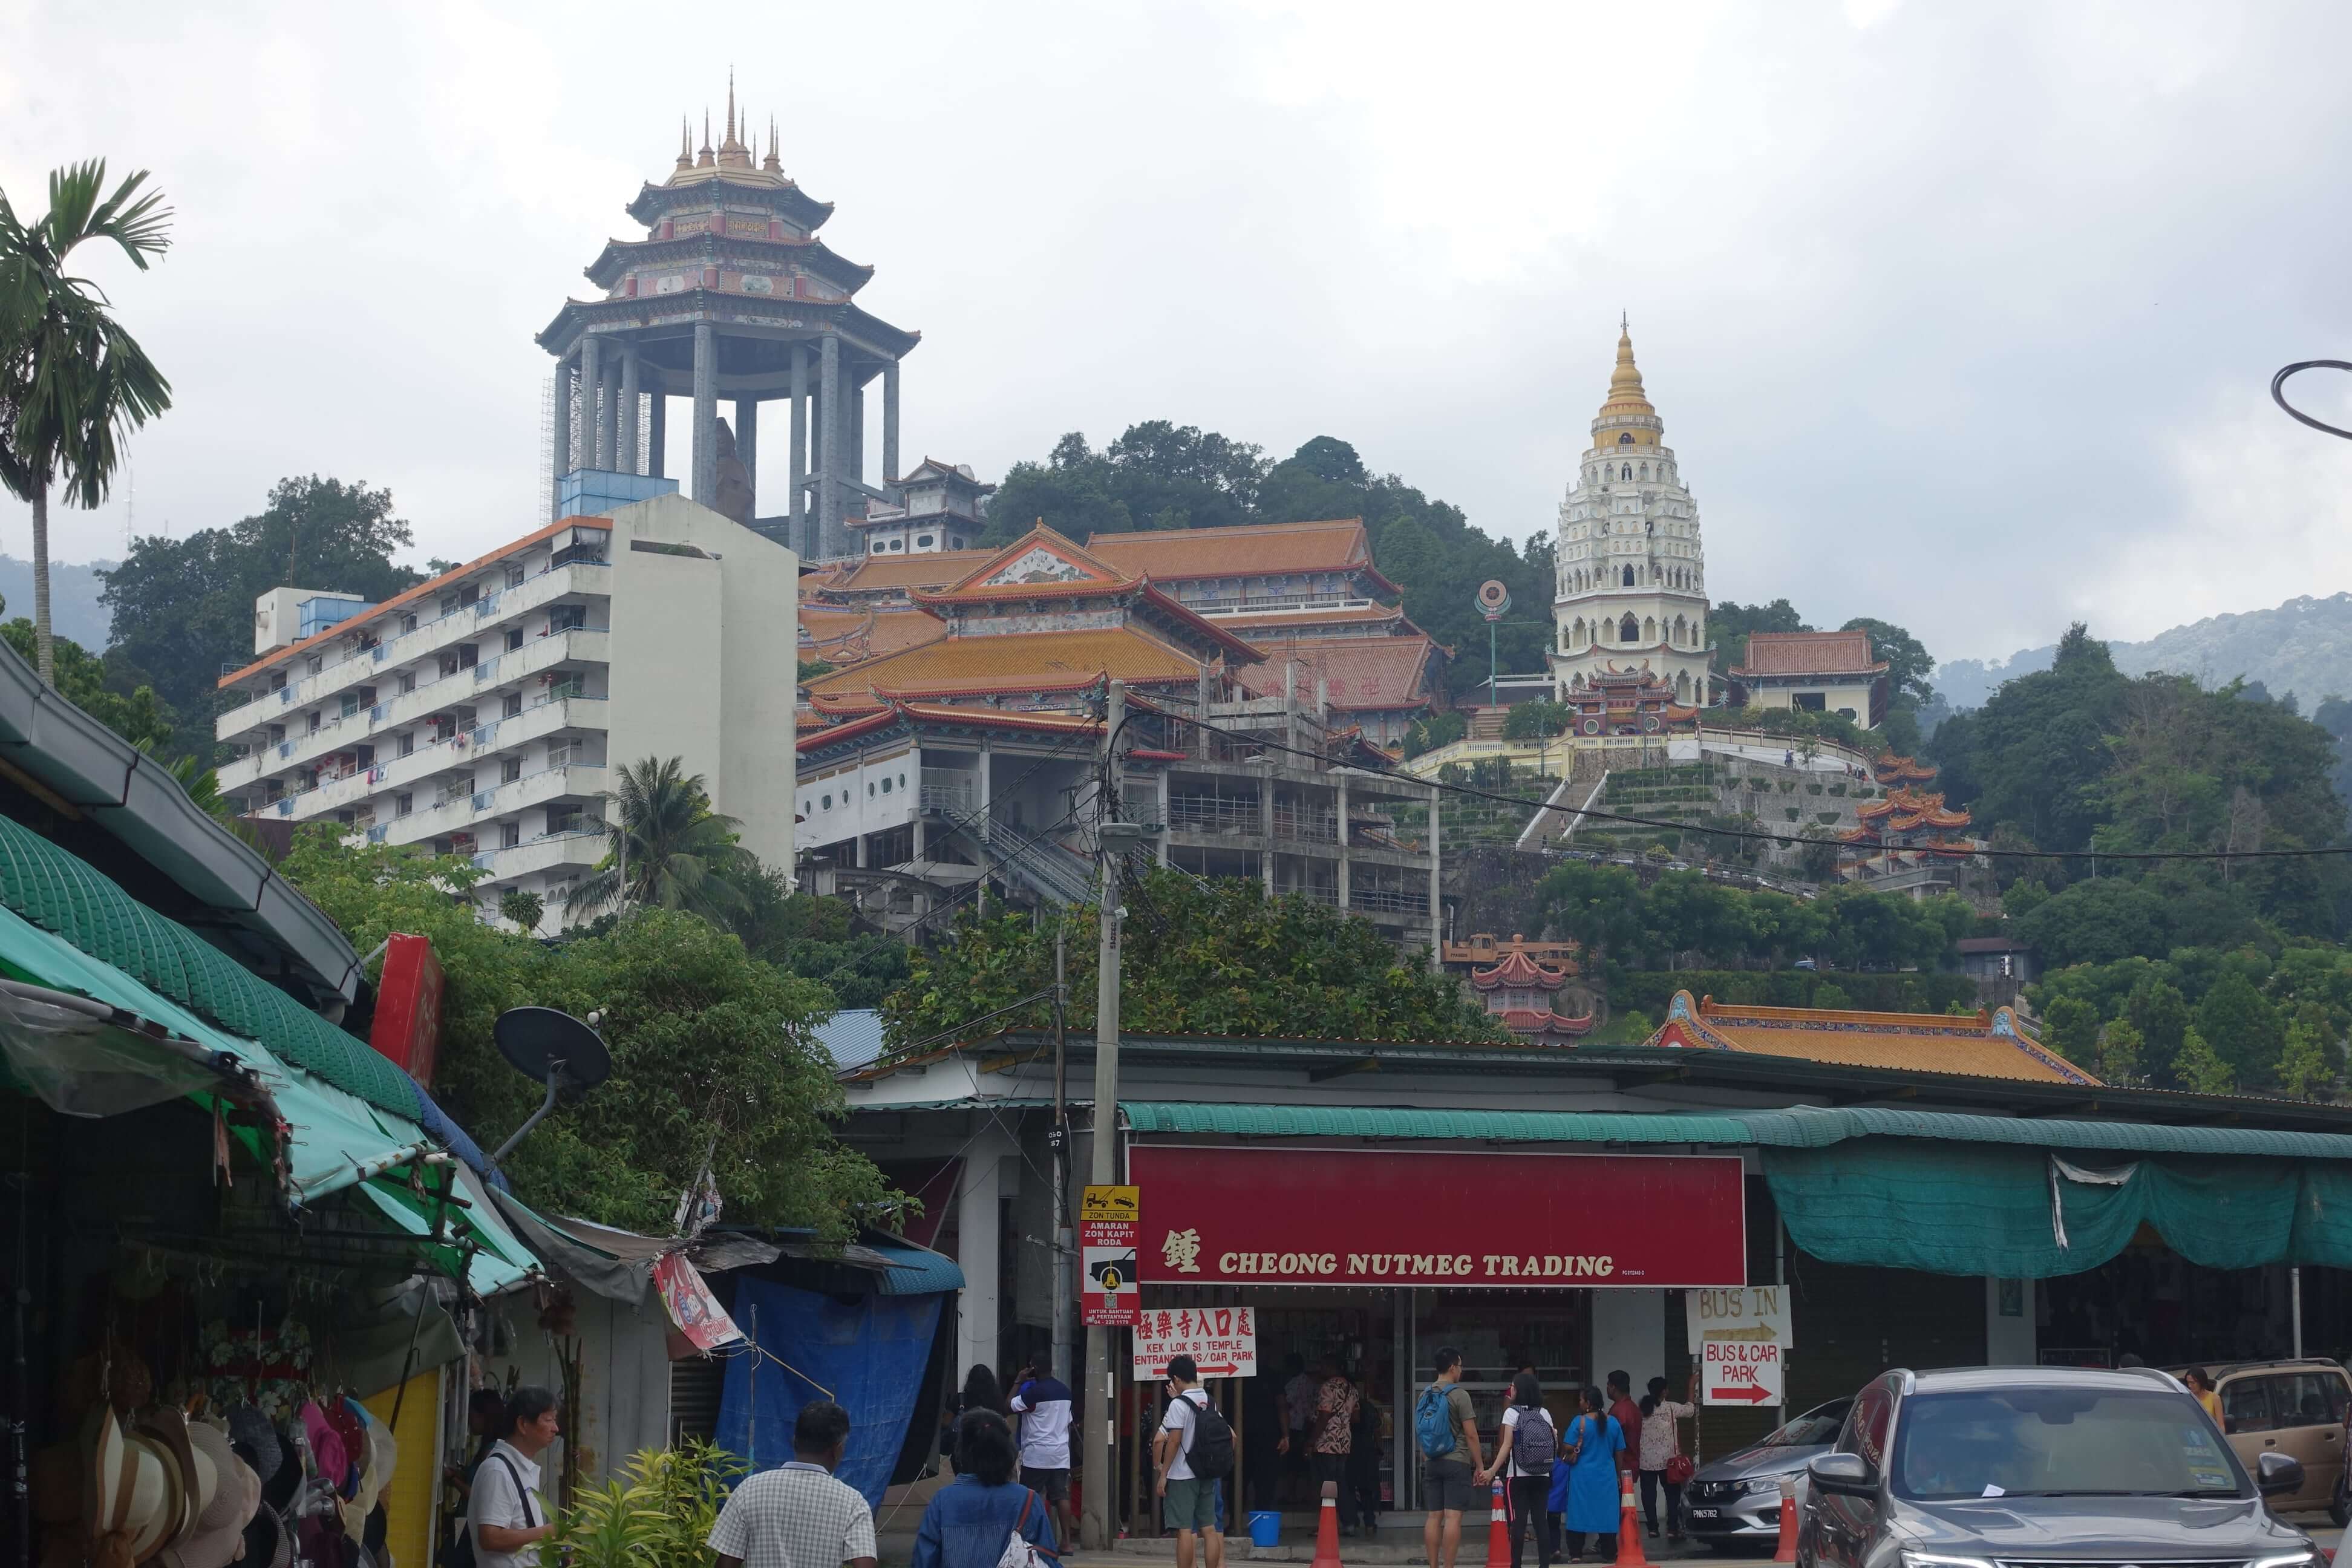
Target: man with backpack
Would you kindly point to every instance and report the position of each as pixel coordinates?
(1193, 1451)
(1445, 1425)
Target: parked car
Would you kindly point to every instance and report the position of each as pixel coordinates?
(2042, 1465)
(1736, 1500)
(2292, 1407)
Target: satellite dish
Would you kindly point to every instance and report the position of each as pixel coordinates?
(544, 1042)
(550, 1045)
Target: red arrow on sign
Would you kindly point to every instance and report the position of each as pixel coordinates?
(1226, 1371)
(1753, 1395)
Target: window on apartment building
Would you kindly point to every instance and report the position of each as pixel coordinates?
(350, 704)
(313, 728)
(407, 741)
(276, 733)
(512, 705)
(318, 662)
(472, 594)
(567, 618)
(562, 818)
(510, 835)
(343, 819)
(278, 681)
(514, 639)
(407, 681)
(511, 770)
(514, 576)
(468, 654)
(402, 805)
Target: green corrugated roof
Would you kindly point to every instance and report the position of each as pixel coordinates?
(61, 894)
(1804, 1127)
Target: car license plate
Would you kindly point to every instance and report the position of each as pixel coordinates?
(1705, 1513)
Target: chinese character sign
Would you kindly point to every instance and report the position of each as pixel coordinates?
(1108, 1219)
(1222, 1341)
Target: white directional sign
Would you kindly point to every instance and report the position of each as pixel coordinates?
(1741, 1340)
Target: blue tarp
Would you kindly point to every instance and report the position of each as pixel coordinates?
(869, 1350)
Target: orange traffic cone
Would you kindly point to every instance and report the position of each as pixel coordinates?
(1786, 1550)
(1629, 1527)
(1326, 1529)
(1498, 1532)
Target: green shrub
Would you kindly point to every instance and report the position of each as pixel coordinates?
(1791, 813)
(1787, 786)
(1837, 789)
(1812, 789)
(1826, 818)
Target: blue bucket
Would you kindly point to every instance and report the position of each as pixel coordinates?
(1266, 1529)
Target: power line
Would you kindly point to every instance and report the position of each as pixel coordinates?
(1783, 839)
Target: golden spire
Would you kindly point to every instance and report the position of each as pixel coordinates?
(730, 107)
(1625, 393)
(685, 145)
(774, 162)
(703, 161)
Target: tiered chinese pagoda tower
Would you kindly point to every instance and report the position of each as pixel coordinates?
(730, 296)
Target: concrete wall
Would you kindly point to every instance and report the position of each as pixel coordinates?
(2009, 1337)
(1629, 1334)
(704, 652)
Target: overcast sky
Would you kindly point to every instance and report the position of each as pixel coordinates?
(1963, 316)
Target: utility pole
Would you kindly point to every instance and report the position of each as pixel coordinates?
(1066, 1288)
(1099, 1480)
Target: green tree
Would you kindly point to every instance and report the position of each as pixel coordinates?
(1831, 996)
(2160, 1013)
(712, 1050)
(2072, 1030)
(72, 380)
(2307, 1068)
(183, 607)
(1908, 662)
(668, 848)
(137, 715)
(2033, 755)
(2242, 1028)
(1206, 958)
(2096, 922)
(522, 908)
(2199, 1070)
(1730, 624)
(809, 936)
(2119, 1052)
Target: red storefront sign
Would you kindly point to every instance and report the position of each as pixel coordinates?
(408, 1007)
(1445, 1219)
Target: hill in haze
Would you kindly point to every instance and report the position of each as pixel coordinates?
(74, 609)
(2303, 645)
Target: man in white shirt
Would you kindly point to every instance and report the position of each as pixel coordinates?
(506, 1512)
(1043, 1403)
(800, 1515)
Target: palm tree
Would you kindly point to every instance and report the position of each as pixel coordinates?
(668, 847)
(71, 380)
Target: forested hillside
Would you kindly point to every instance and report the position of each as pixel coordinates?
(1159, 474)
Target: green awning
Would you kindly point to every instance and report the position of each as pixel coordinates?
(499, 1259)
(1933, 1191)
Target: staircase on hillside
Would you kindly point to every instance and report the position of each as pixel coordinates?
(1487, 723)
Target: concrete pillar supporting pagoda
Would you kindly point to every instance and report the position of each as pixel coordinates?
(799, 476)
(608, 412)
(747, 446)
(592, 388)
(827, 536)
(561, 445)
(855, 466)
(891, 471)
(657, 433)
(629, 395)
(705, 412)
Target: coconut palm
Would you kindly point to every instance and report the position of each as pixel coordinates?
(72, 382)
(668, 847)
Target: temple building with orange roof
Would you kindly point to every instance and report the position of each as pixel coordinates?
(1988, 1045)
(1814, 672)
(1524, 996)
(962, 765)
(1907, 840)
(1615, 702)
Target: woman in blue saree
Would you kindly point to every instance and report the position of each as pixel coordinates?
(1584, 1489)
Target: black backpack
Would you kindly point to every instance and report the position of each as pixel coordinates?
(1211, 1452)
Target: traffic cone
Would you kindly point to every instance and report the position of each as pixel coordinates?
(1326, 1529)
(1786, 1549)
(1629, 1527)
(1498, 1532)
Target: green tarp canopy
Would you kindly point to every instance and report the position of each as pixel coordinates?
(1938, 1192)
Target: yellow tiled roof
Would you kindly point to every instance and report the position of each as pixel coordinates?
(1028, 661)
(1979, 1045)
(1171, 553)
(839, 634)
(880, 572)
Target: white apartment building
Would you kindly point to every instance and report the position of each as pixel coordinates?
(485, 713)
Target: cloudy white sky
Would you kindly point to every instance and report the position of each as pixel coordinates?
(1959, 315)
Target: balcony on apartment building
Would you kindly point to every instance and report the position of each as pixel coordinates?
(458, 809)
(363, 656)
(479, 686)
(579, 847)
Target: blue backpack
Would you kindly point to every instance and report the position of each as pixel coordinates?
(1433, 1423)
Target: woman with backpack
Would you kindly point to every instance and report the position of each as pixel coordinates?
(1584, 1481)
(1524, 1460)
(1663, 1461)
(972, 1522)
